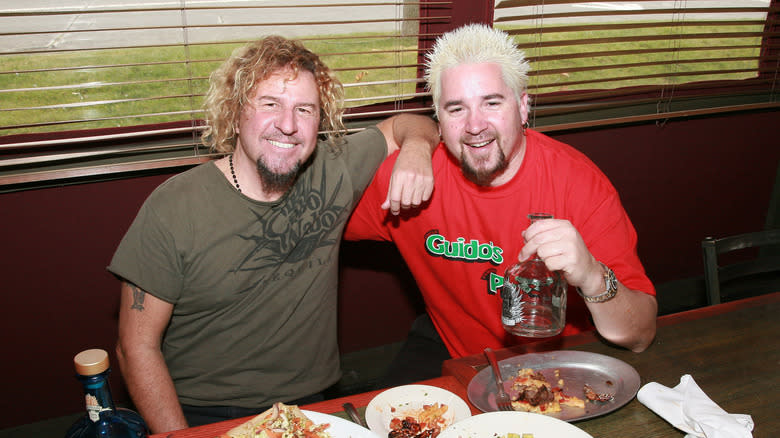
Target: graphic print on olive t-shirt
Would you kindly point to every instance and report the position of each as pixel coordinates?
(462, 249)
(292, 231)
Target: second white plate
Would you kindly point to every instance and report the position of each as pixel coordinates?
(410, 398)
(501, 423)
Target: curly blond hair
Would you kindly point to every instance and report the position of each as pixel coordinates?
(231, 85)
(476, 44)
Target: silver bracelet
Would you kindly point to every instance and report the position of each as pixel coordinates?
(611, 284)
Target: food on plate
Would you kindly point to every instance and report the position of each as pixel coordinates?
(531, 392)
(427, 422)
(280, 421)
(592, 395)
(515, 435)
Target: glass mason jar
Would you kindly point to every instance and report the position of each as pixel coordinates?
(533, 297)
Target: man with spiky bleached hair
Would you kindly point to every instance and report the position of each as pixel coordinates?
(491, 171)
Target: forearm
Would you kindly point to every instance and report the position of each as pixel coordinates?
(420, 127)
(142, 322)
(410, 131)
(411, 183)
(628, 319)
(151, 388)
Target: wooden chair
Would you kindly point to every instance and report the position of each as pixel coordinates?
(747, 278)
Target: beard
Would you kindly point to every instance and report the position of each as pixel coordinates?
(481, 175)
(274, 181)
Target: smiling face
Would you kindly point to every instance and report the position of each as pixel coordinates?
(481, 122)
(278, 127)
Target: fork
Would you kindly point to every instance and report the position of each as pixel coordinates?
(502, 398)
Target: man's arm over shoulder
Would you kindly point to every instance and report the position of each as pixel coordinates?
(142, 321)
(411, 183)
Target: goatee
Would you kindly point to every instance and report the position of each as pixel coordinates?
(482, 176)
(277, 182)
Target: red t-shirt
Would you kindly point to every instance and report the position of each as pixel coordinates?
(459, 245)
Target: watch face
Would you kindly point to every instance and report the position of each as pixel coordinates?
(610, 283)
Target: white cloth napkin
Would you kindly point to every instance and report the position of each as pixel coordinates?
(688, 408)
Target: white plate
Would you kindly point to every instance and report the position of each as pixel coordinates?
(339, 427)
(410, 398)
(497, 424)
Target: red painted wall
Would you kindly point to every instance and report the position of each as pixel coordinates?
(687, 180)
(680, 182)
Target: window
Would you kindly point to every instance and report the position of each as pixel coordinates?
(109, 87)
(615, 62)
(101, 90)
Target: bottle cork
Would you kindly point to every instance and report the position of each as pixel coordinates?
(91, 362)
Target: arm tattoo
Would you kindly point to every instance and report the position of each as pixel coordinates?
(138, 297)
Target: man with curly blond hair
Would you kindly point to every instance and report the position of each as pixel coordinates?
(229, 271)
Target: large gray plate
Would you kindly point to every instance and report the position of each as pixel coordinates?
(603, 373)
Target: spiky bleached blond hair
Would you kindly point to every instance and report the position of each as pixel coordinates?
(476, 44)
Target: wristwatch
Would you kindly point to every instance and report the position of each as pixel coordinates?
(611, 284)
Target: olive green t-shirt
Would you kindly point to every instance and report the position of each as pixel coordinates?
(253, 284)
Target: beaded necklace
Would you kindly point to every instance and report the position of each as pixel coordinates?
(233, 173)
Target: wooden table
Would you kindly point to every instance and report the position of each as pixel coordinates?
(732, 350)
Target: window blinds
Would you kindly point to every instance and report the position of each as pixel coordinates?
(608, 62)
(112, 87)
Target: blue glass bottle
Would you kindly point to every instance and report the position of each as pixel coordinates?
(102, 419)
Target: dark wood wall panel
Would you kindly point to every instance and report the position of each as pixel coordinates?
(680, 182)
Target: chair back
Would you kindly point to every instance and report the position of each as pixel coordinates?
(715, 274)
